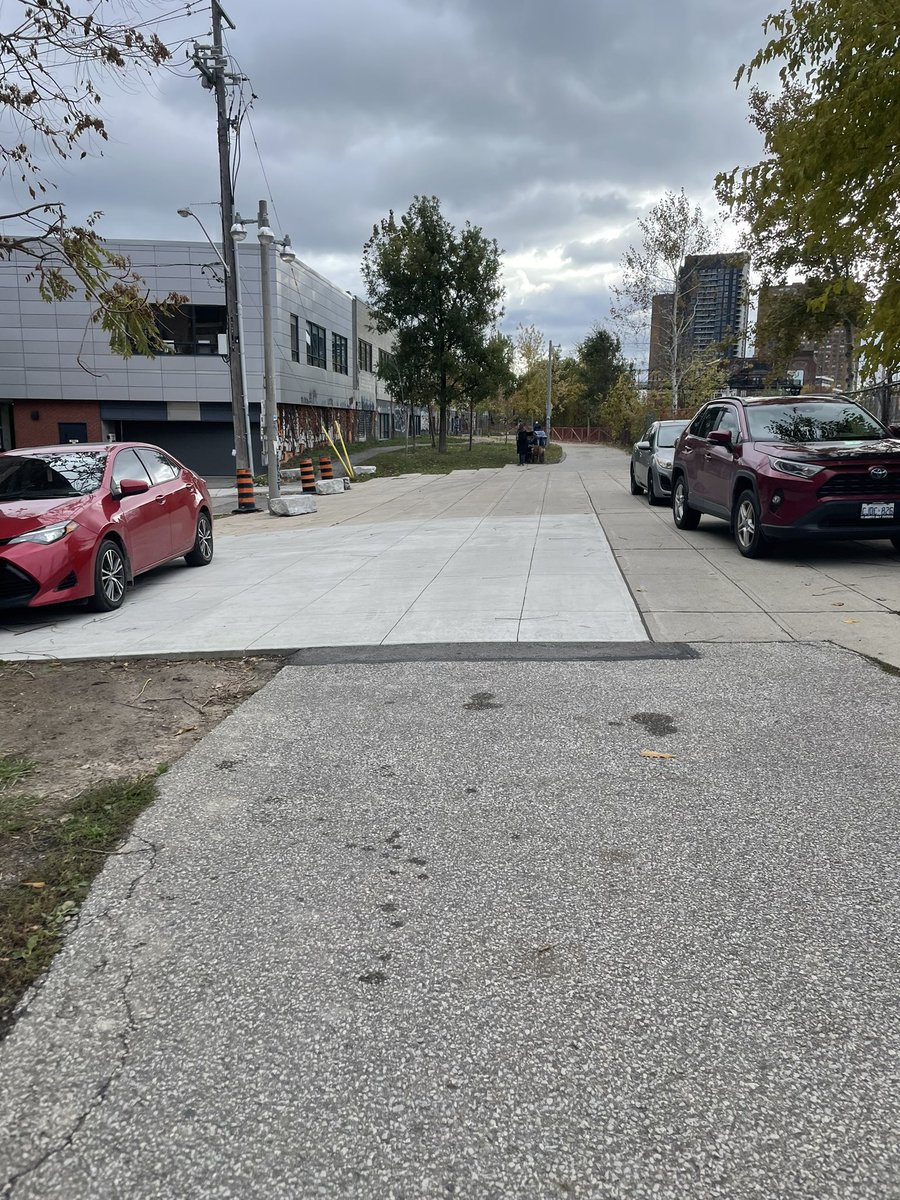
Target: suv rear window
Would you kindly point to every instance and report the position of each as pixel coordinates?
(812, 422)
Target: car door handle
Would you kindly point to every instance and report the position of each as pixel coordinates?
(160, 499)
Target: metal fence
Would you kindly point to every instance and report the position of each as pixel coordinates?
(882, 400)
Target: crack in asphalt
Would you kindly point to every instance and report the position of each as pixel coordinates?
(125, 1038)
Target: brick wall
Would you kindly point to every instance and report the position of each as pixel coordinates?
(51, 413)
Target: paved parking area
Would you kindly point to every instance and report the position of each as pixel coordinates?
(560, 554)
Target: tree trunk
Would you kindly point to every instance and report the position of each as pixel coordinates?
(431, 424)
(442, 430)
(675, 347)
(471, 422)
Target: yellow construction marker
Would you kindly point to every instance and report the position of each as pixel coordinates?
(340, 434)
(335, 449)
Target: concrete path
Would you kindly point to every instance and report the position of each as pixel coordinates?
(490, 556)
(424, 930)
(547, 554)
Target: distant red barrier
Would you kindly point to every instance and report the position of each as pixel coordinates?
(572, 433)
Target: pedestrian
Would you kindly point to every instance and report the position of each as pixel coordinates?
(522, 436)
(540, 437)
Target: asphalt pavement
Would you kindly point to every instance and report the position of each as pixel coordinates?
(417, 930)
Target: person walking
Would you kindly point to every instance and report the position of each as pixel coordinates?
(522, 436)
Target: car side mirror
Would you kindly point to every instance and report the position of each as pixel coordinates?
(131, 487)
(643, 446)
(722, 437)
(894, 430)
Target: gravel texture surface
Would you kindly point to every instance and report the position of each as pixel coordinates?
(420, 930)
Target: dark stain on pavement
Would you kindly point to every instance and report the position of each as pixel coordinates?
(374, 977)
(481, 701)
(417, 862)
(660, 724)
(389, 907)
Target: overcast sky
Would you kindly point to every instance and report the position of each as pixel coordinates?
(551, 126)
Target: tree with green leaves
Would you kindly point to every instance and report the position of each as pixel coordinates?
(489, 376)
(51, 111)
(823, 199)
(600, 364)
(672, 230)
(438, 291)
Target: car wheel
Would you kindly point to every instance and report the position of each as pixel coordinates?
(652, 497)
(684, 516)
(636, 489)
(747, 524)
(110, 577)
(201, 553)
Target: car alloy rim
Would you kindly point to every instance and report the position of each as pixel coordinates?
(112, 576)
(746, 523)
(679, 501)
(204, 538)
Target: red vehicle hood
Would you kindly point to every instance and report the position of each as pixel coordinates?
(21, 516)
(833, 451)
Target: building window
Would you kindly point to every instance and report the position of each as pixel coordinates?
(295, 337)
(315, 346)
(365, 355)
(72, 431)
(383, 357)
(192, 328)
(339, 354)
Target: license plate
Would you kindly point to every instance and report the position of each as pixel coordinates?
(877, 510)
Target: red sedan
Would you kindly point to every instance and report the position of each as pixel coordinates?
(81, 521)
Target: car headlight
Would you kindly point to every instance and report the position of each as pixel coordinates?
(791, 466)
(45, 535)
(665, 463)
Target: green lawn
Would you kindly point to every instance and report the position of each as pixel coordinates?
(426, 461)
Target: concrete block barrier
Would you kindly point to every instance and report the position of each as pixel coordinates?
(292, 506)
(329, 487)
(365, 470)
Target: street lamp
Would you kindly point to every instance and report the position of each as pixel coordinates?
(267, 238)
(187, 212)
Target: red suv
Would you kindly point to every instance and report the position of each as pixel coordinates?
(777, 467)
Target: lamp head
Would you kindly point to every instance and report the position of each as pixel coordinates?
(286, 253)
(185, 212)
(265, 235)
(238, 232)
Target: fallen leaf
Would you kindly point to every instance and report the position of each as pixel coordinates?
(187, 729)
(655, 754)
(35, 883)
(850, 621)
(837, 604)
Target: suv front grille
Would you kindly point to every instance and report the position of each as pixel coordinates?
(857, 483)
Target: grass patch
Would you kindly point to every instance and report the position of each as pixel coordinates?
(70, 848)
(426, 460)
(13, 769)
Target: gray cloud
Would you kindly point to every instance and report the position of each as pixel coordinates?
(552, 128)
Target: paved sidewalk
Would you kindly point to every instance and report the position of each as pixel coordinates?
(491, 556)
(544, 554)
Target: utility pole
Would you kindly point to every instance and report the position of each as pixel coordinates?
(211, 63)
(266, 241)
(549, 409)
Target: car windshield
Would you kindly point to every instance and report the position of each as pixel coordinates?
(812, 423)
(669, 433)
(51, 475)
